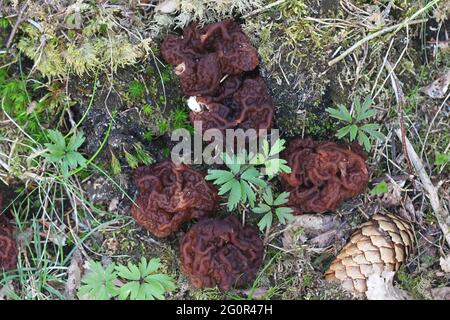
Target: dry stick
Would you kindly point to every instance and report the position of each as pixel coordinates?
(263, 8)
(440, 212)
(400, 103)
(373, 36)
(16, 25)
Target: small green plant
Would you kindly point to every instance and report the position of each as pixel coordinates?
(99, 282)
(240, 181)
(163, 126)
(379, 188)
(116, 168)
(148, 136)
(136, 89)
(148, 110)
(244, 179)
(132, 161)
(273, 165)
(63, 152)
(134, 282)
(441, 159)
(271, 207)
(179, 118)
(142, 155)
(354, 119)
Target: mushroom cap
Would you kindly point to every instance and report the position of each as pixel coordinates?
(170, 195)
(221, 253)
(8, 245)
(324, 174)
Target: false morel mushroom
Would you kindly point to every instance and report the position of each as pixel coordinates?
(170, 195)
(8, 246)
(221, 253)
(243, 104)
(381, 244)
(203, 56)
(324, 174)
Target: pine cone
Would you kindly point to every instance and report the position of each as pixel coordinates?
(381, 244)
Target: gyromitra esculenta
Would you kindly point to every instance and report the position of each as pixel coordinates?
(221, 253)
(204, 55)
(239, 103)
(324, 174)
(169, 195)
(8, 246)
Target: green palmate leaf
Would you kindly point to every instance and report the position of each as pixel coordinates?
(340, 113)
(163, 279)
(277, 147)
(364, 140)
(343, 131)
(281, 199)
(364, 111)
(227, 186)
(235, 195)
(268, 196)
(75, 141)
(248, 192)
(151, 267)
(98, 283)
(57, 138)
(258, 182)
(250, 173)
(373, 130)
(353, 131)
(266, 148)
(284, 214)
(265, 222)
(130, 272)
(219, 176)
(232, 163)
(262, 208)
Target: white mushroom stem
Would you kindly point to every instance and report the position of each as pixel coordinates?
(194, 105)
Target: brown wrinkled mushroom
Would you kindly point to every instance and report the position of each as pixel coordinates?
(324, 174)
(170, 195)
(202, 56)
(221, 253)
(238, 105)
(8, 245)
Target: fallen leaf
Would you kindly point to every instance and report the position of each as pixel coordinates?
(438, 88)
(6, 290)
(74, 276)
(167, 6)
(445, 264)
(381, 287)
(320, 230)
(441, 293)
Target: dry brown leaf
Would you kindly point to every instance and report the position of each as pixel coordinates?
(441, 293)
(445, 264)
(74, 276)
(320, 230)
(438, 88)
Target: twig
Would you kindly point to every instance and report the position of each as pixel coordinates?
(276, 3)
(440, 212)
(16, 25)
(395, 27)
(400, 103)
